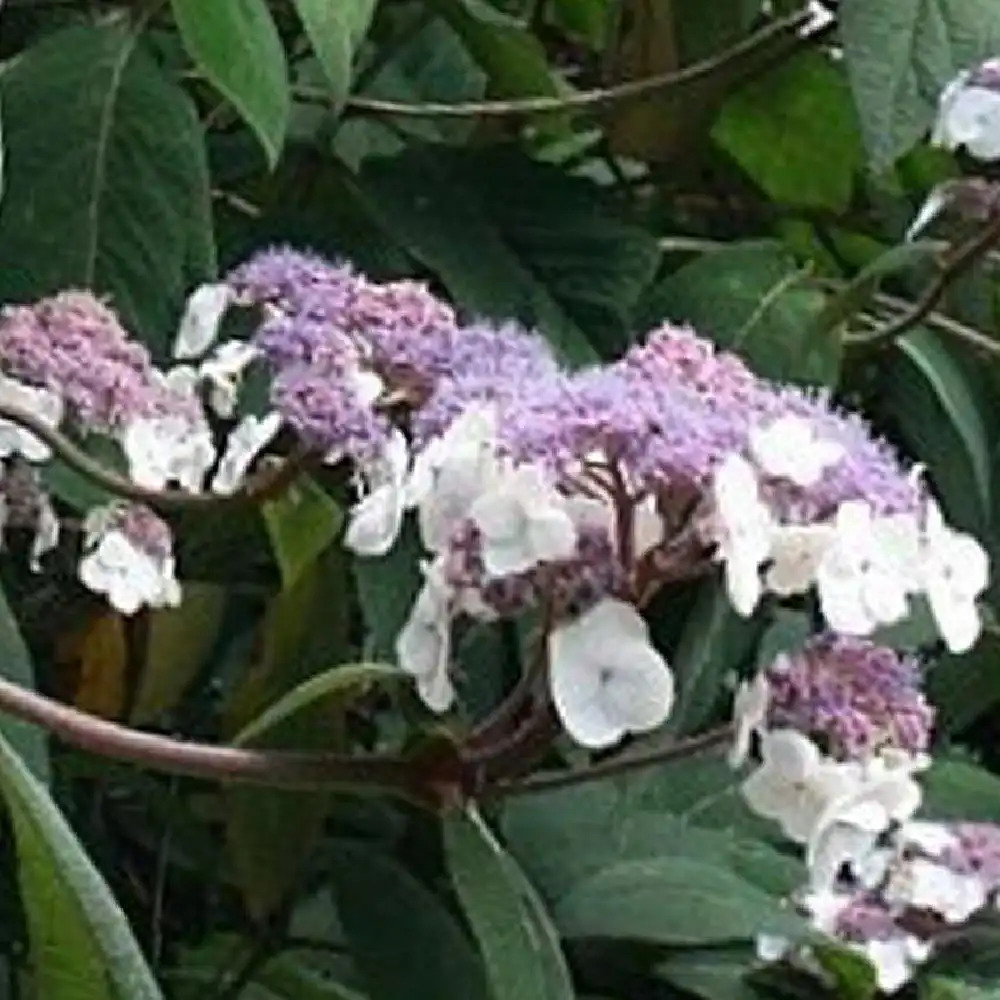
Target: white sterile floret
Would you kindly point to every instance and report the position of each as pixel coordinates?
(44, 404)
(795, 783)
(423, 646)
(749, 715)
(223, 373)
(955, 570)
(199, 325)
(523, 521)
(745, 529)
(607, 680)
(969, 116)
(796, 554)
(869, 569)
(895, 959)
(789, 449)
(166, 449)
(451, 472)
(925, 885)
(47, 530)
(377, 517)
(245, 442)
(129, 575)
(845, 833)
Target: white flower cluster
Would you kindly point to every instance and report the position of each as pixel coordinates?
(605, 675)
(865, 567)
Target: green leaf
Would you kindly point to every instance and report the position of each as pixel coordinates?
(236, 45)
(271, 834)
(674, 901)
(105, 151)
(964, 688)
(402, 937)
(513, 59)
(751, 298)
(515, 239)
(804, 108)
(302, 522)
(387, 587)
(81, 942)
(29, 741)
(852, 973)
(934, 403)
(858, 292)
(329, 689)
(959, 790)
(900, 55)
(515, 956)
(336, 31)
(715, 973)
(714, 642)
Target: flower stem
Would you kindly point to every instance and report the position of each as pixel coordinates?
(264, 487)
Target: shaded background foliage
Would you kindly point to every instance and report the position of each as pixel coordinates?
(757, 185)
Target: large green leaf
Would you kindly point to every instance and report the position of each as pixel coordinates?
(671, 900)
(236, 45)
(960, 790)
(81, 943)
(511, 238)
(752, 298)
(401, 935)
(336, 30)
(15, 664)
(803, 107)
(934, 403)
(107, 184)
(271, 833)
(900, 54)
(516, 957)
(713, 643)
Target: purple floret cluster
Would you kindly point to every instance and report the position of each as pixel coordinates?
(854, 696)
(74, 345)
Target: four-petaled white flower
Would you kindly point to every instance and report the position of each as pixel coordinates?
(869, 569)
(795, 783)
(523, 521)
(745, 529)
(955, 570)
(129, 575)
(796, 553)
(423, 646)
(377, 517)
(925, 885)
(165, 449)
(607, 680)
(245, 442)
(969, 116)
(789, 449)
(451, 472)
(44, 404)
(199, 325)
(750, 707)
(882, 791)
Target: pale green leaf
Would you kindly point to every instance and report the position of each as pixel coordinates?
(335, 31)
(236, 45)
(301, 522)
(81, 943)
(803, 107)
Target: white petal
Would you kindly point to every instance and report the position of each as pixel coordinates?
(375, 522)
(957, 618)
(250, 436)
(552, 535)
(199, 325)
